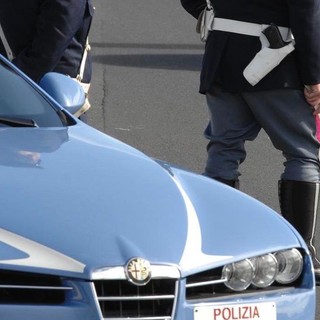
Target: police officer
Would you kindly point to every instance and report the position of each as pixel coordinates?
(47, 35)
(284, 102)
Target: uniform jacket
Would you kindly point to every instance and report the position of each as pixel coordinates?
(227, 54)
(47, 35)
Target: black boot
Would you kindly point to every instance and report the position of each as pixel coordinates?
(299, 204)
(232, 183)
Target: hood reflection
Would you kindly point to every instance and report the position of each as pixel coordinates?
(24, 147)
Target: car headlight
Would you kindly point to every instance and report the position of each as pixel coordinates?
(261, 271)
(238, 275)
(290, 265)
(265, 270)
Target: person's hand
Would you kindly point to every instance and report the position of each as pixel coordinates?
(312, 95)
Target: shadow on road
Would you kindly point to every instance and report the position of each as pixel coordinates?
(191, 62)
(160, 46)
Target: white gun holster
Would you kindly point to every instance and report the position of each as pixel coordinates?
(265, 61)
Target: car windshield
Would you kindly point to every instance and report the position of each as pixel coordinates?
(22, 104)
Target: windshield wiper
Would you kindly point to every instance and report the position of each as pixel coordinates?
(17, 122)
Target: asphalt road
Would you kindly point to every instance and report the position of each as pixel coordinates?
(147, 58)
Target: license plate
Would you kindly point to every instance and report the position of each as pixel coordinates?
(255, 311)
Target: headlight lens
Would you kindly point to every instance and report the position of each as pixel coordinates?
(290, 265)
(283, 266)
(239, 275)
(265, 270)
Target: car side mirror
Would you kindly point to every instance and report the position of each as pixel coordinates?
(65, 90)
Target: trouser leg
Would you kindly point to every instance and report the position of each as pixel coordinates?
(231, 124)
(288, 120)
(231, 183)
(299, 204)
(283, 114)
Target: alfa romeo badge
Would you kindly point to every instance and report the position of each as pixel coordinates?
(138, 271)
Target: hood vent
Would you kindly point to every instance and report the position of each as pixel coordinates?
(30, 288)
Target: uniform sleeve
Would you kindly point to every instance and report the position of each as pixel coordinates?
(194, 7)
(57, 23)
(305, 25)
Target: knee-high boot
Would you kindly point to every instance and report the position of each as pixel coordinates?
(299, 204)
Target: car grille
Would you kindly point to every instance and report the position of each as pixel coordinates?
(204, 285)
(30, 288)
(122, 299)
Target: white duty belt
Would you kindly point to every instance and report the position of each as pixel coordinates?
(245, 28)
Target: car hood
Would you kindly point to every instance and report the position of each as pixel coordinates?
(74, 201)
